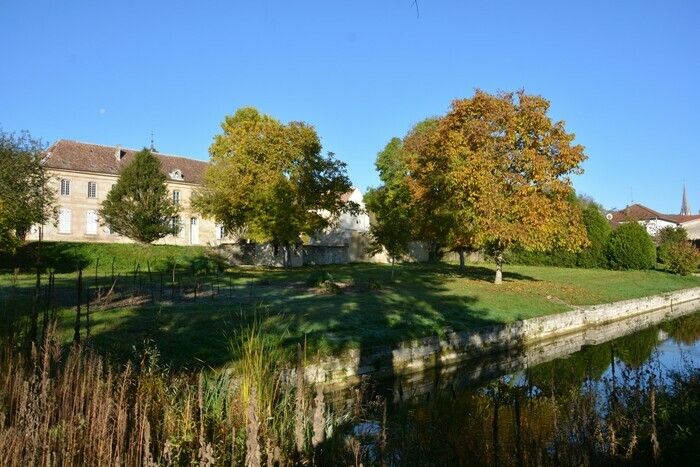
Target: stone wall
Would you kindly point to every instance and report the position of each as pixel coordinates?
(536, 333)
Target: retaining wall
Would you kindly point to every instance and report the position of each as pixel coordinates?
(541, 333)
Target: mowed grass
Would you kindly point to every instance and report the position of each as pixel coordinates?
(422, 300)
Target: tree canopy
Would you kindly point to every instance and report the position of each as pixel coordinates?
(494, 173)
(270, 179)
(26, 198)
(139, 205)
(391, 216)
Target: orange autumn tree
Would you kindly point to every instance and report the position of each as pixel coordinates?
(500, 166)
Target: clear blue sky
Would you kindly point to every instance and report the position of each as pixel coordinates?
(624, 75)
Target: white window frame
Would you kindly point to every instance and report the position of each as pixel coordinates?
(220, 232)
(176, 196)
(65, 224)
(91, 228)
(92, 189)
(65, 187)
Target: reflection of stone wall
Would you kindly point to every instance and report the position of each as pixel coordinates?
(535, 341)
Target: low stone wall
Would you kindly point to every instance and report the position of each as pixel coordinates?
(540, 332)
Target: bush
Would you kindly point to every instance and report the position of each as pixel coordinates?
(631, 247)
(317, 278)
(559, 258)
(667, 237)
(598, 230)
(682, 258)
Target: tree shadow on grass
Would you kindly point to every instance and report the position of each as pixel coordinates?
(188, 334)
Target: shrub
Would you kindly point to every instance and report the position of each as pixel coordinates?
(631, 247)
(559, 258)
(598, 230)
(667, 237)
(682, 258)
(317, 278)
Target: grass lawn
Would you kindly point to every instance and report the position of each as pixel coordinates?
(422, 300)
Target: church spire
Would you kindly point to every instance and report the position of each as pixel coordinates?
(685, 209)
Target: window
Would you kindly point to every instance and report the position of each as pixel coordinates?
(176, 196)
(220, 232)
(91, 222)
(64, 221)
(92, 189)
(177, 225)
(194, 231)
(65, 187)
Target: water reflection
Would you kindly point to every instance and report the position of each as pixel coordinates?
(632, 399)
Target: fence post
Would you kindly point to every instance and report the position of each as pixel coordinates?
(76, 333)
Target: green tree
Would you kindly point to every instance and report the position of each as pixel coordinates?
(271, 180)
(497, 166)
(26, 196)
(598, 230)
(630, 247)
(139, 206)
(391, 218)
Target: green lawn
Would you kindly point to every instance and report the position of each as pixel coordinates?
(422, 300)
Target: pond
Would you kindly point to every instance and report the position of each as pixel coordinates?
(632, 399)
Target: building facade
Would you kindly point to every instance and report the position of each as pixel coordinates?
(82, 174)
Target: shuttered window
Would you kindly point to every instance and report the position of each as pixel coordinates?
(64, 220)
(91, 223)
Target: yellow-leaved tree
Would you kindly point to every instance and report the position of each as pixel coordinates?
(498, 168)
(270, 180)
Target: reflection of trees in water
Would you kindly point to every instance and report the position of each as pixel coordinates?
(685, 330)
(549, 417)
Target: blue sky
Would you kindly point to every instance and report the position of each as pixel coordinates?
(624, 75)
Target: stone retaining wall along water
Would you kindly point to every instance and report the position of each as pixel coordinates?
(453, 347)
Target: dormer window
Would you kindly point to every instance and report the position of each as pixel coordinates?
(176, 175)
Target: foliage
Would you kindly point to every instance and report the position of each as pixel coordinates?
(497, 167)
(558, 258)
(391, 216)
(318, 277)
(139, 206)
(26, 196)
(630, 247)
(667, 237)
(682, 258)
(598, 230)
(432, 204)
(283, 186)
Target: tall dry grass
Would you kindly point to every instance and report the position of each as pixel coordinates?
(69, 407)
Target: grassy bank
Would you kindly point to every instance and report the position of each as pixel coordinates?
(188, 312)
(365, 309)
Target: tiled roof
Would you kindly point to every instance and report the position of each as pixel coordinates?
(87, 157)
(639, 212)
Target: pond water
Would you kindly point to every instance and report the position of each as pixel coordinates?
(630, 399)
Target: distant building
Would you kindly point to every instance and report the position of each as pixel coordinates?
(348, 225)
(655, 221)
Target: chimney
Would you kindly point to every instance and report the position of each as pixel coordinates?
(118, 153)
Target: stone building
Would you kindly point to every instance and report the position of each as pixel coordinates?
(82, 174)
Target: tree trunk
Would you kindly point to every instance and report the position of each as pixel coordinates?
(461, 259)
(499, 267)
